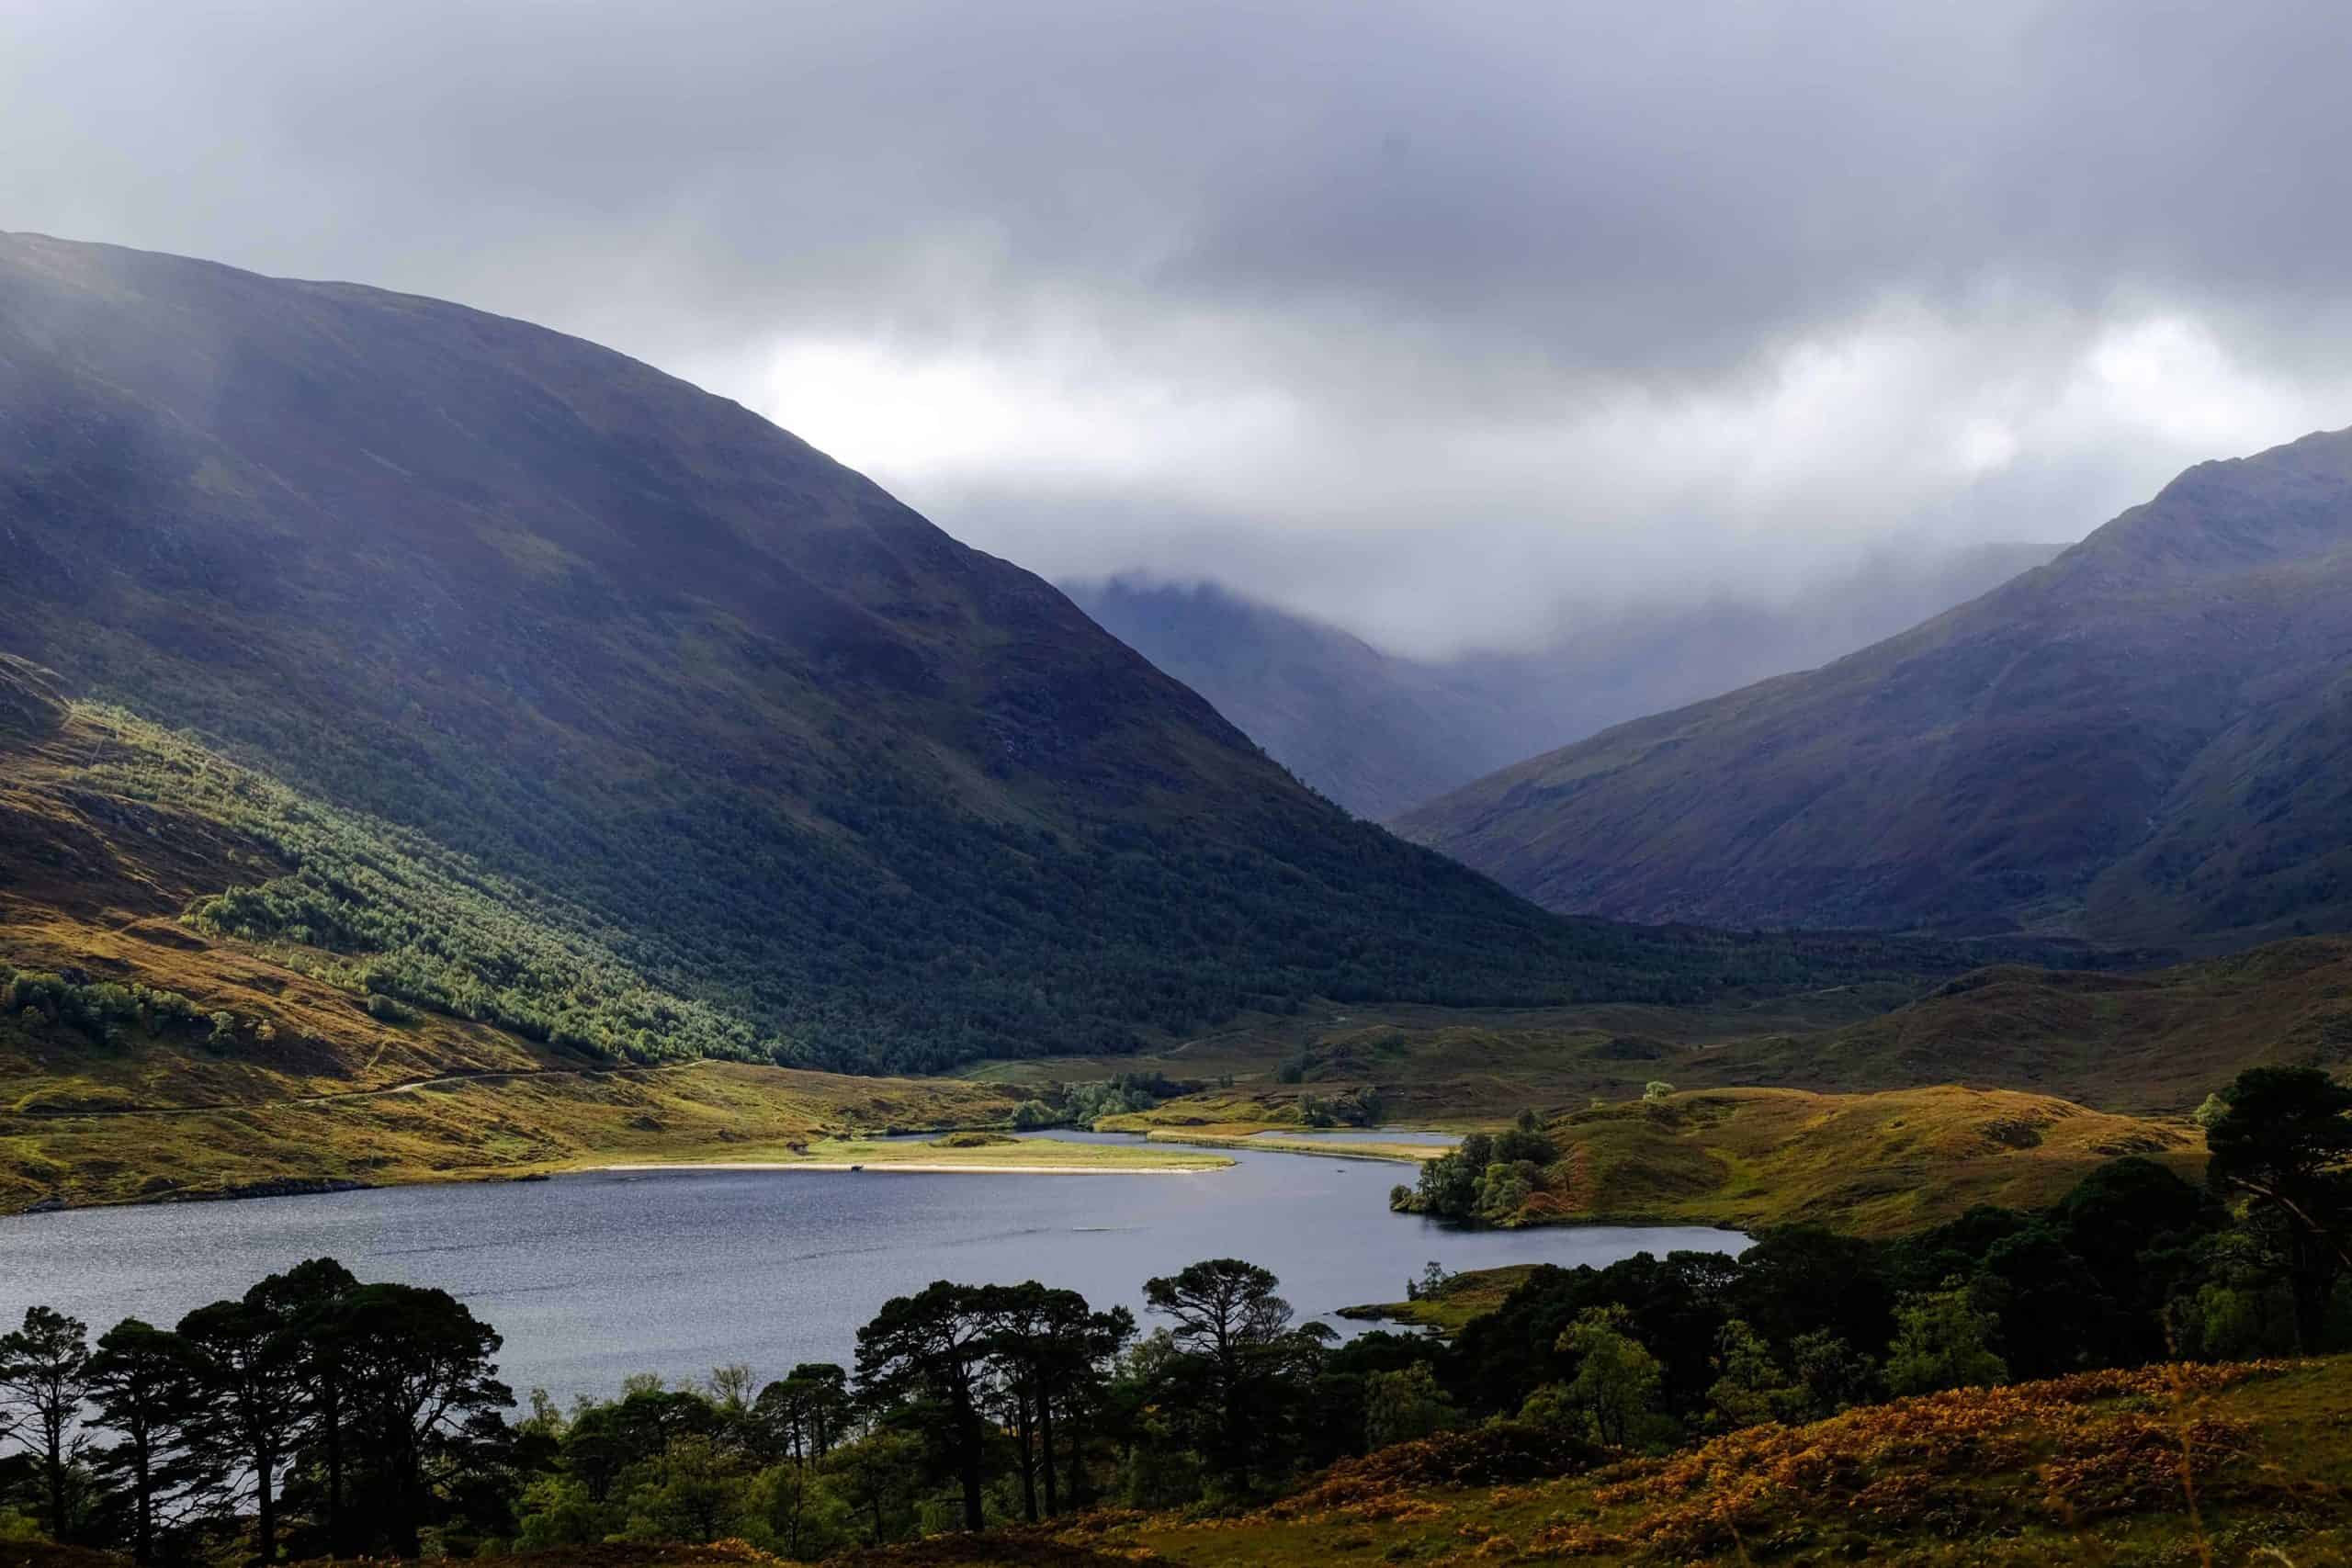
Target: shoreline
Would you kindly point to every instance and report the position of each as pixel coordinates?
(915, 1168)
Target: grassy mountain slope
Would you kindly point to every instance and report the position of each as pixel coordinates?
(1881, 1164)
(2145, 741)
(2159, 1040)
(570, 691)
(1380, 733)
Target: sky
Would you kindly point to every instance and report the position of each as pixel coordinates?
(1446, 321)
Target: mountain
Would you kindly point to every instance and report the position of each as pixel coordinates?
(1380, 733)
(2146, 741)
(464, 668)
(1375, 732)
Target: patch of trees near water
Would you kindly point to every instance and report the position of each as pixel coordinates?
(319, 1414)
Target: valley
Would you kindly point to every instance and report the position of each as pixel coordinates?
(555, 842)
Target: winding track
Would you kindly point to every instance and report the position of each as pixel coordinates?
(411, 1086)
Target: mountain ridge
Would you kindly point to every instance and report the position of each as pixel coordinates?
(2131, 744)
(642, 683)
(1382, 733)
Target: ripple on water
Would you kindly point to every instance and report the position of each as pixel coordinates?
(593, 1277)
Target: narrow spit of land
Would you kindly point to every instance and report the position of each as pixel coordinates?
(952, 1155)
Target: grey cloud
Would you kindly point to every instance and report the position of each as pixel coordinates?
(1435, 231)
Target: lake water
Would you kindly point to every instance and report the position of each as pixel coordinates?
(594, 1276)
(1366, 1135)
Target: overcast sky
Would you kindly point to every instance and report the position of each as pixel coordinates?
(1438, 319)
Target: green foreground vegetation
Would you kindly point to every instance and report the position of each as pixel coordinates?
(2123, 1345)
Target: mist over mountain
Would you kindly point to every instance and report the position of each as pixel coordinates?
(582, 702)
(2145, 742)
(1381, 733)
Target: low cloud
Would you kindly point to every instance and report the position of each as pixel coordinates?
(1444, 320)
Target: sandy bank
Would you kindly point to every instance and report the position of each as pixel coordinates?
(920, 1167)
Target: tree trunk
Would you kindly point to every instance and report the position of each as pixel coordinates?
(142, 1548)
(411, 1496)
(333, 1416)
(1046, 1447)
(967, 1457)
(1025, 1429)
(265, 1507)
(57, 1483)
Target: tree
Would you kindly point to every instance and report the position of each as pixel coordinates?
(802, 1414)
(1240, 1367)
(1618, 1382)
(1020, 1346)
(144, 1384)
(732, 1389)
(2054, 1318)
(878, 1475)
(692, 1492)
(1942, 1341)
(1447, 1186)
(1403, 1404)
(1751, 1387)
(43, 1376)
(1046, 1351)
(1657, 1089)
(424, 1385)
(250, 1373)
(306, 1299)
(1078, 1379)
(934, 1347)
(1801, 1280)
(802, 1513)
(2285, 1142)
(1833, 1375)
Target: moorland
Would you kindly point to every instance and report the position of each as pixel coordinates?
(433, 748)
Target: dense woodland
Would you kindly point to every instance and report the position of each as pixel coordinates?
(996, 940)
(319, 1414)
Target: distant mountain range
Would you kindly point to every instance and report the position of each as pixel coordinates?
(2148, 740)
(477, 672)
(1380, 733)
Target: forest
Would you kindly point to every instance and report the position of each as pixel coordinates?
(318, 1414)
(731, 931)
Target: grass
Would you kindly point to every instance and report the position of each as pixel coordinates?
(1869, 1163)
(953, 1152)
(2084, 1469)
(529, 1124)
(1408, 1154)
(2156, 1042)
(1463, 1298)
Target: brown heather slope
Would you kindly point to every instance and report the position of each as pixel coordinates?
(2086, 1470)
(2147, 742)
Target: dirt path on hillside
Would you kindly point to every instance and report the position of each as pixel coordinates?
(412, 1086)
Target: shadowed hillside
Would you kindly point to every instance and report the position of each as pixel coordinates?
(582, 702)
(2145, 742)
